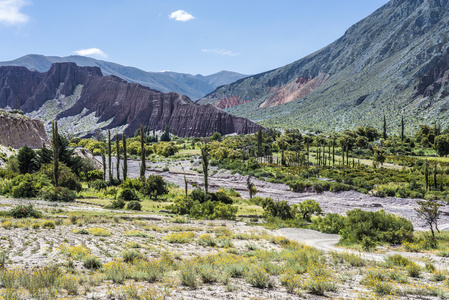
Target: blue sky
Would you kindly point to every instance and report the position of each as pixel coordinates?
(188, 36)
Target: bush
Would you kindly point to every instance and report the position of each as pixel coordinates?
(25, 186)
(278, 209)
(92, 262)
(331, 223)
(257, 277)
(378, 226)
(51, 193)
(129, 183)
(308, 208)
(127, 195)
(130, 256)
(98, 184)
(116, 204)
(154, 186)
(66, 179)
(95, 175)
(48, 224)
(134, 205)
(22, 211)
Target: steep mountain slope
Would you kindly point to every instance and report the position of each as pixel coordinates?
(193, 86)
(83, 100)
(394, 62)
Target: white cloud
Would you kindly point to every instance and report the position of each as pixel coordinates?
(181, 15)
(10, 12)
(221, 52)
(91, 52)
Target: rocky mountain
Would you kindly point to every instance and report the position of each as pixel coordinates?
(194, 86)
(83, 100)
(394, 62)
(17, 131)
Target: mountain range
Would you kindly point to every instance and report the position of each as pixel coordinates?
(395, 63)
(193, 86)
(84, 101)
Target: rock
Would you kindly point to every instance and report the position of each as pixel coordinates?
(17, 131)
(114, 101)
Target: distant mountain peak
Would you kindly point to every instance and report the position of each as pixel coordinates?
(193, 86)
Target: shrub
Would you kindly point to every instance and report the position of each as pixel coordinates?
(116, 271)
(51, 193)
(98, 184)
(331, 223)
(66, 178)
(378, 226)
(92, 262)
(189, 276)
(308, 208)
(25, 186)
(130, 256)
(134, 205)
(99, 231)
(279, 209)
(22, 211)
(413, 270)
(154, 186)
(180, 237)
(206, 240)
(257, 277)
(127, 195)
(116, 204)
(48, 224)
(94, 175)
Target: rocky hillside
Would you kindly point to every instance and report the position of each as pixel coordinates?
(194, 86)
(394, 62)
(83, 100)
(17, 131)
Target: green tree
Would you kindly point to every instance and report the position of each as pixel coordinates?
(251, 187)
(205, 162)
(55, 145)
(110, 156)
(117, 146)
(402, 129)
(384, 135)
(103, 159)
(27, 160)
(429, 211)
(442, 144)
(379, 155)
(154, 186)
(44, 155)
(125, 158)
(165, 137)
(142, 155)
(308, 208)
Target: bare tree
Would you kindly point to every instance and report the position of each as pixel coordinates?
(430, 212)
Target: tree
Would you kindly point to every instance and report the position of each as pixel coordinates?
(205, 162)
(186, 182)
(429, 211)
(282, 145)
(27, 160)
(154, 186)
(125, 158)
(216, 137)
(55, 146)
(103, 159)
(44, 156)
(117, 146)
(142, 155)
(259, 143)
(165, 137)
(308, 208)
(109, 156)
(379, 155)
(251, 187)
(402, 129)
(442, 144)
(384, 135)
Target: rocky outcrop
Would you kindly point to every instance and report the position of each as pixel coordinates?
(228, 102)
(17, 131)
(394, 62)
(115, 103)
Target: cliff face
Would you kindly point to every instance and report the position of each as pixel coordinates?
(396, 60)
(17, 131)
(108, 102)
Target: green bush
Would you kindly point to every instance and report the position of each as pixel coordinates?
(98, 184)
(22, 211)
(95, 175)
(378, 226)
(66, 179)
(154, 186)
(129, 183)
(134, 205)
(51, 193)
(25, 186)
(277, 209)
(116, 204)
(331, 223)
(127, 195)
(92, 262)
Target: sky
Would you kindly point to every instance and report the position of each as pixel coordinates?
(186, 36)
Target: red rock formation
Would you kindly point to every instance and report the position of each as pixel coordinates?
(229, 102)
(110, 97)
(17, 131)
(297, 89)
